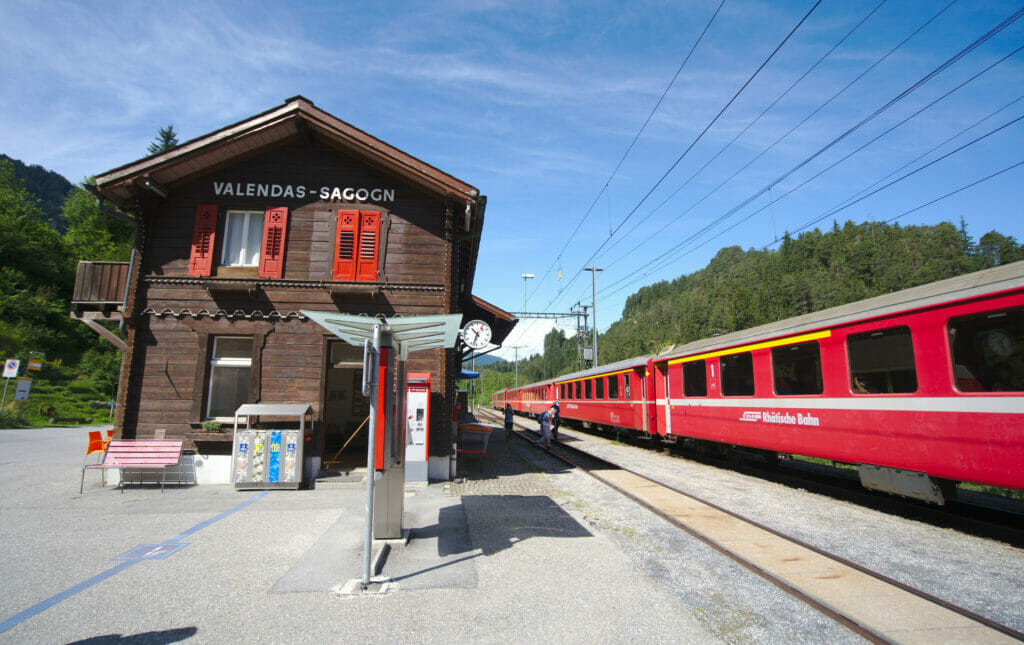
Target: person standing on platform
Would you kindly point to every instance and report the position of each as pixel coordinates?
(545, 427)
(508, 420)
(556, 420)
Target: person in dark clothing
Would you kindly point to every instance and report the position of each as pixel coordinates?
(508, 421)
(556, 419)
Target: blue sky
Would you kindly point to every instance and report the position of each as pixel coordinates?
(537, 103)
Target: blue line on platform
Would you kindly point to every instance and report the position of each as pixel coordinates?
(38, 608)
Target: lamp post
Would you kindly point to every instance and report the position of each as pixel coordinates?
(526, 276)
(593, 307)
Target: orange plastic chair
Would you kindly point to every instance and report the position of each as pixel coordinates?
(96, 443)
(96, 446)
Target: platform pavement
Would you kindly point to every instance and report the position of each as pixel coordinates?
(497, 556)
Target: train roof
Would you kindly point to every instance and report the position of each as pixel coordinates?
(970, 285)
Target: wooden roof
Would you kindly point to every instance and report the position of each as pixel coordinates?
(298, 115)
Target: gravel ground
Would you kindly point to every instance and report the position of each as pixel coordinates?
(982, 575)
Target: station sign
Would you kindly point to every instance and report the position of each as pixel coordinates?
(35, 361)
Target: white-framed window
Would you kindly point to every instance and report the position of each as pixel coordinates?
(230, 367)
(243, 234)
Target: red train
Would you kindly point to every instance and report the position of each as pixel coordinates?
(920, 389)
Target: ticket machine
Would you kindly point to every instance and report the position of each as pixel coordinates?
(417, 426)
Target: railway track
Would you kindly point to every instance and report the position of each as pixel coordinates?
(873, 605)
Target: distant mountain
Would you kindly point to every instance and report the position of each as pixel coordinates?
(482, 361)
(51, 188)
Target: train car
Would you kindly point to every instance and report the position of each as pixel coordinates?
(615, 395)
(920, 388)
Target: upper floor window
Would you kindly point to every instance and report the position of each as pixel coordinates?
(249, 239)
(243, 232)
(357, 246)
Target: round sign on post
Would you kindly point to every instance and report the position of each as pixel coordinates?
(11, 368)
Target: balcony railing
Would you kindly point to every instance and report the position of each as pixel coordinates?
(99, 296)
(99, 285)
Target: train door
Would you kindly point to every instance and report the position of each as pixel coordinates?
(663, 389)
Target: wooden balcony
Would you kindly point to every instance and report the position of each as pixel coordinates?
(99, 296)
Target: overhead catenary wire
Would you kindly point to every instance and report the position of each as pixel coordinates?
(690, 147)
(932, 74)
(835, 211)
(629, 148)
(783, 137)
(765, 111)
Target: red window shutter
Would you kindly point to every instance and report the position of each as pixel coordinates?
(204, 232)
(369, 243)
(275, 226)
(345, 245)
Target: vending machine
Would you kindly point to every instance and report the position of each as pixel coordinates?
(267, 458)
(417, 426)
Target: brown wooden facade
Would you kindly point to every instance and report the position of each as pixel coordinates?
(301, 166)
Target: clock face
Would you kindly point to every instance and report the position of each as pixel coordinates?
(476, 334)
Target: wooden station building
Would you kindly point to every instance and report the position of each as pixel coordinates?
(241, 229)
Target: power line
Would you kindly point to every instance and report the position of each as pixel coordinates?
(633, 142)
(764, 112)
(690, 147)
(843, 207)
(956, 57)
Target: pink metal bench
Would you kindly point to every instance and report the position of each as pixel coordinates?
(143, 454)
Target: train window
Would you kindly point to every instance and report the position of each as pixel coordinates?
(695, 378)
(587, 389)
(599, 385)
(988, 351)
(613, 386)
(882, 362)
(737, 374)
(625, 384)
(578, 393)
(796, 369)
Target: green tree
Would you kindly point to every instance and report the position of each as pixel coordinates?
(165, 140)
(92, 234)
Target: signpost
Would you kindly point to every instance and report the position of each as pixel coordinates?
(23, 387)
(10, 371)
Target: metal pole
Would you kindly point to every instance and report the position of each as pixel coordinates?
(371, 352)
(526, 276)
(593, 276)
(517, 369)
(4, 402)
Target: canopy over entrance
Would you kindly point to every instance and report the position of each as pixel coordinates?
(413, 333)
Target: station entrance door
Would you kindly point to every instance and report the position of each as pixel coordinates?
(346, 410)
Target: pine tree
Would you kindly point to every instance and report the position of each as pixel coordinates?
(166, 140)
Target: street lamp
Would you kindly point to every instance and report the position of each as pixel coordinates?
(526, 276)
(593, 286)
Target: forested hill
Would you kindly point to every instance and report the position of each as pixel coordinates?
(39, 251)
(741, 289)
(50, 187)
